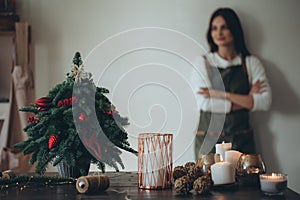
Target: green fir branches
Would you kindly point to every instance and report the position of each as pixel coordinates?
(54, 137)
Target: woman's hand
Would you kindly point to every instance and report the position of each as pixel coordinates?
(257, 88)
(211, 93)
(239, 101)
(235, 107)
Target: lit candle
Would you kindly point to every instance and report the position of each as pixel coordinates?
(222, 148)
(222, 173)
(232, 156)
(273, 184)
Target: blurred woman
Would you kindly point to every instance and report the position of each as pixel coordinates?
(233, 84)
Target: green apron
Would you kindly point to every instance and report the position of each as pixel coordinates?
(236, 128)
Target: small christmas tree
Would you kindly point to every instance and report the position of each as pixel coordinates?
(75, 123)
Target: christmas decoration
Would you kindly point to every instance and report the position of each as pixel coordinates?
(183, 185)
(24, 182)
(7, 174)
(192, 176)
(66, 113)
(53, 140)
(43, 103)
(67, 102)
(192, 171)
(178, 172)
(205, 161)
(202, 184)
(33, 119)
(82, 117)
(90, 184)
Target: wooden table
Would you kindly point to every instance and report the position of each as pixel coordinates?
(124, 186)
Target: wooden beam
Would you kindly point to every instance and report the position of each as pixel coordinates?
(22, 43)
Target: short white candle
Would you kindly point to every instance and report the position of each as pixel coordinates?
(273, 183)
(222, 148)
(222, 173)
(232, 156)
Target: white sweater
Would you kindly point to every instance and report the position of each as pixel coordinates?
(255, 72)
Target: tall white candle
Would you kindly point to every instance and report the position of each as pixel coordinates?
(222, 173)
(232, 156)
(222, 148)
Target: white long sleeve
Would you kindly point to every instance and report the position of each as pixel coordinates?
(256, 72)
(199, 78)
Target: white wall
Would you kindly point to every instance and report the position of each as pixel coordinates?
(60, 28)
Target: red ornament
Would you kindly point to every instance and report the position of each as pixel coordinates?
(92, 143)
(60, 103)
(115, 111)
(82, 117)
(74, 100)
(109, 112)
(43, 103)
(67, 102)
(33, 119)
(52, 142)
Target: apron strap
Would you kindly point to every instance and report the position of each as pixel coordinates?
(207, 67)
(244, 65)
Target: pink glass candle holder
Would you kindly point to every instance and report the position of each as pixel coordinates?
(155, 160)
(273, 184)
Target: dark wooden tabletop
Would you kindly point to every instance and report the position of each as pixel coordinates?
(123, 185)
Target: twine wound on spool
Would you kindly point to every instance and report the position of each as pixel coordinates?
(89, 184)
(8, 174)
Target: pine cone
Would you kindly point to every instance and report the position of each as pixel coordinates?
(202, 184)
(178, 172)
(189, 165)
(183, 185)
(192, 171)
(200, 162)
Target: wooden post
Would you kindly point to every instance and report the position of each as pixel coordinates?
(22, 44)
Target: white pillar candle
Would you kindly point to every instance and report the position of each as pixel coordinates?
(222, 148)
(222, 173)
(232, 156)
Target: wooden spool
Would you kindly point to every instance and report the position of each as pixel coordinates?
(90, 184)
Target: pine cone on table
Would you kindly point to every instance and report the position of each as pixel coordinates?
(178, 172)
(183, 185)
(202, 184)
(192, 171)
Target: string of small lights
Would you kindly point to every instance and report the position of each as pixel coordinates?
(24, 181)
(95, 182)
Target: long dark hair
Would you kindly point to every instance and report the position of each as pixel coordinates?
(235, 28)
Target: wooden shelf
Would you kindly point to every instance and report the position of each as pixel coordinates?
(4, 110)
(7, 33)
